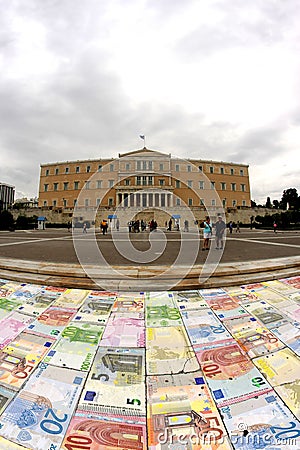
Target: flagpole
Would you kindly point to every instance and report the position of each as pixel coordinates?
(144, 142)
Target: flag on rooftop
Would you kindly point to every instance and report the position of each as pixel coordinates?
(142, 137)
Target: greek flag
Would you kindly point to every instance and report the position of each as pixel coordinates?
(142, 137)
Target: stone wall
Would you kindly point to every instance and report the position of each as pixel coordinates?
(58, 216)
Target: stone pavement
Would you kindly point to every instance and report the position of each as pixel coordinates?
(202, 369)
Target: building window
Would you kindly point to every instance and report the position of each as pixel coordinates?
(243, 202)
(177, 184)
(200, 168)
(144, 181)
(231, 171)
(110, 183)
(66, 186)
(46, 187)
(65, 203)
(161, 182)
(223, 186)
(98, 200)
(190, 183)
(67, 170)
(138, 165)
(55, 186)
(76, 185)
(189, 168)
(138, 180)
(177, 201)
(222, 170)
(201, 184)
(233, 186)
(54, 203)
(213, 202)
(77, 170)
(100, 168)
(150, 181)
(87, 185)
(127, 166)
(211, 169)
(111, 167)
(47, 172)
(86, 202)
(110, 201)
(242, 172)
(212, 185)
(233, 202)
(45, 202)
(144, 165)
(177, 167)
(161, 166)
(190, 202)
(56, 171)
(99, 184)
(243, 187)
(150, 165)
(127, 182)
(88, 169)
(224, 202)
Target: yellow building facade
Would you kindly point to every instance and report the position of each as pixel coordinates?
(144, 179)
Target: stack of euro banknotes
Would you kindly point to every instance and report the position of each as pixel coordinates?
(211, 369)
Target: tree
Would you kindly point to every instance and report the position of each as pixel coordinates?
(289, 196)
(276, 204)
(6, 220)
(253, 204)
(268, 203)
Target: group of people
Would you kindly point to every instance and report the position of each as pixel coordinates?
(136, 226)
(220, 227)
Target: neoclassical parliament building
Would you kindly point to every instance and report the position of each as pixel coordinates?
(144, 179)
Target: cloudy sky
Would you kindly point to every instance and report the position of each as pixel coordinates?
(210, 79)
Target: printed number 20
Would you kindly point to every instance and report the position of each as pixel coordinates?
(53, 422)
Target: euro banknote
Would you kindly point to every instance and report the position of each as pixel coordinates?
(160, 298)
(289, 334)
(11, 326)
(290, 394)
(189, 300)
(230, 374)
(7, 305)
(52, 321)
(39, 415)
(76, 346)
(116, 382)
(26, 292)
(279, 367)
(253, 338)
(262, 422)
(96, 310)
(162, 316)
(104, 433)
(123, 332)
(35, 306)
(268, 315)
(20, 357)
(169, 351)
(130, 304)
(226, 308)
(71, 298)
(182, 414)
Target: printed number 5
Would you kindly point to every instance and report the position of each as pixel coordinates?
(133, 401)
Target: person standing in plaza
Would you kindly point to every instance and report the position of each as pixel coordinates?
(206, 233)
(275, 227)
(84, 230)
(220, 230)
(230, 226)
(170, 225)
(117, 224)
(237, 230)
(186, 225)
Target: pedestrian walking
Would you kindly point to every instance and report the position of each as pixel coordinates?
(186, 225)
(220, 230)
(104, 226)
(275, 227)
(237, 230)
(84, 230)
(117, 225)
(230, 226)
(170, 225)
(69, 226)
(207, 233)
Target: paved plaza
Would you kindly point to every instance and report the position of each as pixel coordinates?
(57, 245)
(203, 369)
